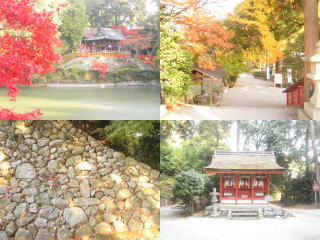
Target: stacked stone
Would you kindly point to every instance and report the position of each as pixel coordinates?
(59, 183)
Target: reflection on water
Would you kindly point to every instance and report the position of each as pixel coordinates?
(88, 103)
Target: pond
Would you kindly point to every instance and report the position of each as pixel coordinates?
(122, 103)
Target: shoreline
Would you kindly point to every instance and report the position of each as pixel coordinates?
(94, 85)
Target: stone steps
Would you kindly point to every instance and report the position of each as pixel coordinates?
(244, 214)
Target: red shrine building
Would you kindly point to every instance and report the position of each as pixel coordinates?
(245, 177)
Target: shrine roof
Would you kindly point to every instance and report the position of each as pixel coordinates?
(108, 33)
(218, 73)
(223, 160)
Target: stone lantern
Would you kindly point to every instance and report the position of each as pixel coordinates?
(312, 108)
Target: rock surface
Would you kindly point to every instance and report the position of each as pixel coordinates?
(60, 183)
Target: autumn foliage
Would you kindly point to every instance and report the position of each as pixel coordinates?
(135, 38)
(28, 40)
(101, 67)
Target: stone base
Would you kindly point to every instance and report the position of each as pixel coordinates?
(302, 115)
(311, 111)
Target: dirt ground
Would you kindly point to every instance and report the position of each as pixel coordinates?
(304, 225)
(251, 99)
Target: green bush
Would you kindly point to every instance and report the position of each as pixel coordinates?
(299, 190)
(189, 184)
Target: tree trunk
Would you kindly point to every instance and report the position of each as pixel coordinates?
(238, 136)
(311, 37)
(307, 150)
(315, 152)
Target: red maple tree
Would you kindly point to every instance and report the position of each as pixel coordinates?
(28, 41)
(135, 38)
(101, 67)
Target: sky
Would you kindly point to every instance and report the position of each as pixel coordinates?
(152, 7)
(220, 10)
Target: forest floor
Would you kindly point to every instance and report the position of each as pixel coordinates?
(250, 99)
(305, 225)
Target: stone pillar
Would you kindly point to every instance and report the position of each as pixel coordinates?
(312, 108)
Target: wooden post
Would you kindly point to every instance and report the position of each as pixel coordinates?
(252, 192)
(237, 183)
(210, 91)
(315, 196)
(221, 187)
(311, 37)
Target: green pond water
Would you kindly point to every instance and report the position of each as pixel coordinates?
(134, 103)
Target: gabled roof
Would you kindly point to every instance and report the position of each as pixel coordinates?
(218, 73)
(223, 160)
(299, 84)
(108, 33)
(90, 32)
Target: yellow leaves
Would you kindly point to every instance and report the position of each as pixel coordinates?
(255, 14)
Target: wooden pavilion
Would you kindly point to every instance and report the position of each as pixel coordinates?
(245, 177)
(208, 79)
(102, 40)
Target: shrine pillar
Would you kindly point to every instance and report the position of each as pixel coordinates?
(311, 109)
(221, 187)
(237, 186)
(252, 183)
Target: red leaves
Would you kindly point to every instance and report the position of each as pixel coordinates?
(7, 114)
(26, 47)
(134, 37)
(101, 67)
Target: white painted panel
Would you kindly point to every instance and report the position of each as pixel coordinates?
(227, 194)
(243, 201)
(228, 201)
(259, 194)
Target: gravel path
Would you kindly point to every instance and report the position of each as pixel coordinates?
(251, 99)
(305, 225)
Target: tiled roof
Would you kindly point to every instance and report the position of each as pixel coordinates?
(90, 32)
(108, 33)
(222, 160)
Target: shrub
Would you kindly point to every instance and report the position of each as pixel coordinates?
(299, 190)
(189, 184)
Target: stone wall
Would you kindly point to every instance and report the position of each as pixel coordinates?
(59, 183)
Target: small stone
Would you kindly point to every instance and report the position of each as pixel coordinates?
(30, 191)
(4, 165)
(3, 236)
(43, 198)
(135, 226)
(33, 208)
(41, 222)
(155, 174)
(85, 188)
(120, 226)
(75, 216)
(43, 142)
(77, 150)
(85, 166)
(11, 229)
(60, 203)
(123, 194)
(85, 202)
(53, 166)
(56, 143)
(25, 170)
(23, 221)
(64, 234)
(20, 210)
(84, 231)
(49, 212)
(73, 160)
(103, 228)
(44, 152)
(44, 234)
(23, 234)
